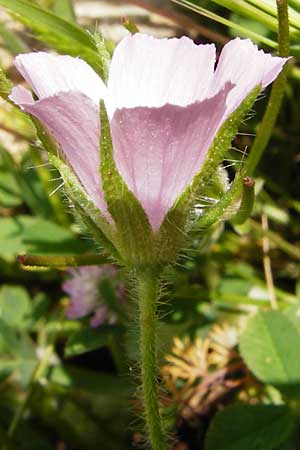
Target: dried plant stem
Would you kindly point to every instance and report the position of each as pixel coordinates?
(285, 246)
(182, 20)
(266, 127)
(267, 264)
(147, 289)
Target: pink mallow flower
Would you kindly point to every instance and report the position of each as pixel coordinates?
(165, 102)
(83, 287)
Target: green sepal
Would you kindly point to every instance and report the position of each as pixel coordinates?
(247, 202)
(91, 216)
(104, 55)
(134, 236)
(221, 209)
(173, 232)
(44, 136)
(97, 233)
(130, 26)
(241, 191)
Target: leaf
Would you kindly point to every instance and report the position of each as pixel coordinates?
(91, 381)
(64, 9)
(293, 314)
(10, 195)
(33, 189)
(17, 353)
(11, 235)
(270, 347)
(9, 341)
(14, 305)
(249, 427)
(45, 237)
(5, 85)
(90, 339)
(25, 234)
(55, 31)
(241, 30)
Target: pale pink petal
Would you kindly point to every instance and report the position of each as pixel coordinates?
(158, 151)
(152, 72)
(47, 74)
(20, 95)
(245, 66)
(73, 120)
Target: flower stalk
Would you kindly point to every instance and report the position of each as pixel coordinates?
(267, 125)
(147, 289)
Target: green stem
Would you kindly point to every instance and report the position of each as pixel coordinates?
(32, 261)
(147, 289)
(266, 128)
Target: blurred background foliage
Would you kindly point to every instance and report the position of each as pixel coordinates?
(230, 382)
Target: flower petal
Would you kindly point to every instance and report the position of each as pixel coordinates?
(152, 72)
(158, 151)
(20, 95)
(47, 74)
(245, 66)
(73, 120)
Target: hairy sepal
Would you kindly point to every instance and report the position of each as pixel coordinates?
(104, 56)
(91, 216)
(174, 230)
(133, 235)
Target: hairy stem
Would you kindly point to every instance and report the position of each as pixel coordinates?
(147, 288)
(266, 128)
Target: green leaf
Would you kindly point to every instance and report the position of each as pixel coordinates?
(11, 41)
(55, 31)
(64, 9)
(33, 190)
(293, 314)
(45, 237)
(90, 339)
(246, 10)
(10, 194)
(9, 341)
(241, 30)
(25, 234)
(11, 235)
(270, 347)
(249, 427)
(91, 381)
(5, 85)
(14, 304)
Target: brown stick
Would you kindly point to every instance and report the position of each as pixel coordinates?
(182, 20)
